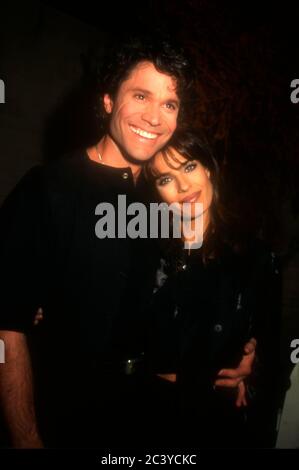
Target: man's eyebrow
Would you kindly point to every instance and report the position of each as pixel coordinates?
(142, 90)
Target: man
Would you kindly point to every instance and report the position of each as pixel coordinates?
(91, 290)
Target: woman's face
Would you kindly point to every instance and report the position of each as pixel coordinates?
(188, 181)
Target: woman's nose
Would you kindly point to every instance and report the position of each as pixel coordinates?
(183, 184)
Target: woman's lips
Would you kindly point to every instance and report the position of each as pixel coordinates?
(192, 197)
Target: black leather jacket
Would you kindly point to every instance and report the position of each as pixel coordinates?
(202, 317)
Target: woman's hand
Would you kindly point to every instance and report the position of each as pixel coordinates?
(169, 377)
(235, 377)
(241, 397)
(39, 316)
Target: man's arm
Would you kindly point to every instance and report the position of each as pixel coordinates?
(16, 392)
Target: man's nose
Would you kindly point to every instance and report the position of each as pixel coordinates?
(152, 114)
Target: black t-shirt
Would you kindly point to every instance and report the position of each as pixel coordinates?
(92, 290)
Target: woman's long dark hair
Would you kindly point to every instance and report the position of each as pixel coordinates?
(222, 230)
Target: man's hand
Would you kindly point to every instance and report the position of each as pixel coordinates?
(235, 377)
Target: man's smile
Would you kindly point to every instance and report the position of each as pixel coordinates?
(143, 133)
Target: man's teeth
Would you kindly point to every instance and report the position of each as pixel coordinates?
(147, 135)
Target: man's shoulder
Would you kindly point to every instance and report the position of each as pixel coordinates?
(69, 177)
(67, 170)
(49, 182)
(64, 169)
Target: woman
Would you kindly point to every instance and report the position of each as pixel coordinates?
(208, 303)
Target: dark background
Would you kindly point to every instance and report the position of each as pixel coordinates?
(246, 54)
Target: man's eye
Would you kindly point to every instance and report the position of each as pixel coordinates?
(163, 181)
(171, 106)
(190, 167)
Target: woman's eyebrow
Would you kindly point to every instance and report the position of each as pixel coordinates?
(182, 165)
(162, 174)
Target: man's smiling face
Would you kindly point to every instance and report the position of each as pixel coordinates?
(144, 112)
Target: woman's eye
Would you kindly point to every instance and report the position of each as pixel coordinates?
(139, 96)
(190, 167)
(164, 180)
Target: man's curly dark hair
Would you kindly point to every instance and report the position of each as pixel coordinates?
(164, 53)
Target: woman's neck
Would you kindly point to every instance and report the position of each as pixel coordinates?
(193, 231)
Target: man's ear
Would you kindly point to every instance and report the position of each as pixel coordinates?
(108, 103)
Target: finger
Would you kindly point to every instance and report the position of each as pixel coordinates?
(243, 388)
(244, 369)
(246, 364)
(169, 377)
(250, 347)
(231, 373)
(241, 397)
(231, 383)
(39, 316)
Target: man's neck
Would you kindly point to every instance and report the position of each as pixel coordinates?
(106, 152)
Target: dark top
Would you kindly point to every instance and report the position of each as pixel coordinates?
(51, 256)
(202, 317)
(91, 290)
